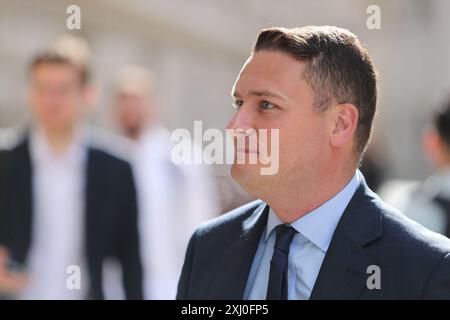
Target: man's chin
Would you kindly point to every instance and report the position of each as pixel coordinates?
(245, 174)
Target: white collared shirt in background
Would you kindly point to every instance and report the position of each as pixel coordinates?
(58, 218)
(173, 201)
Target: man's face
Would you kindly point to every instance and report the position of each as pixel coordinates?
(271, 94)
(133, 112)
(56, 95)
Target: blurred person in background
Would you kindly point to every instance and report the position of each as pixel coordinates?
(428, 202)
(67, 204)
(173, 199)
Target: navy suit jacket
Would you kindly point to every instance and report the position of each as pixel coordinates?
(110, 215)
(414, 262)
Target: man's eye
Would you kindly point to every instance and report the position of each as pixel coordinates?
(237, 104)
(266, 105)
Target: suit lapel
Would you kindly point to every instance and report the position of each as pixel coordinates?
(343, 274)
(20, 204)
(91, 185)
(234, 264)
(94, 191)
(93, 221)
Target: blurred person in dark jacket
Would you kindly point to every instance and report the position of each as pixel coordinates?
(67, 204)
(428, 202)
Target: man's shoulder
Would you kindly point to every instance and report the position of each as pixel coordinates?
(109, 146)
(405, 236)
(107, 159)
(11, 138)
(230, 222)
(408, 251)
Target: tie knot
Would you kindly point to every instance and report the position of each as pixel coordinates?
(284, 236)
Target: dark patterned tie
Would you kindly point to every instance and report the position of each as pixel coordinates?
(278, 287)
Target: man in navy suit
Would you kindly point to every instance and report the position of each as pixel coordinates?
(318, 231)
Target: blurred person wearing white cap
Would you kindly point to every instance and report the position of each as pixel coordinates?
(173, 199)
(67, 204)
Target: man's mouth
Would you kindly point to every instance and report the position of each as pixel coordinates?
(245, 150)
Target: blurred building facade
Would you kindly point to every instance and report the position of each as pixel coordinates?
(196, 49)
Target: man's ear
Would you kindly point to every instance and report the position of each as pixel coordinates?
(345, 119)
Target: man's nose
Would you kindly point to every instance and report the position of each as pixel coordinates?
(243, 119)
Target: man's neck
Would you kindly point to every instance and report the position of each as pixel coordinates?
(293, 202)
(59, 138)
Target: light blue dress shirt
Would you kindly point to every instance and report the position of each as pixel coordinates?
(307, 249)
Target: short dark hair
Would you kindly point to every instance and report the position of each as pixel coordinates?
(338, 69)
(54, 58)
(441, 122)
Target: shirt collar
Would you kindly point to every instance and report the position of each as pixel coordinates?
(41, 151)
(318, 225)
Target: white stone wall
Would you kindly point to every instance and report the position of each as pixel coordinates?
(196, 49)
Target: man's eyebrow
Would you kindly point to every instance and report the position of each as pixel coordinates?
(260, 93)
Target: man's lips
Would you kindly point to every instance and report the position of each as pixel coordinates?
(246, 151)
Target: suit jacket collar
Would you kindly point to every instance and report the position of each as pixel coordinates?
(343, 273)
(363, 219)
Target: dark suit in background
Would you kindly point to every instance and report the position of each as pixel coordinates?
(414, 262)
(110, 228)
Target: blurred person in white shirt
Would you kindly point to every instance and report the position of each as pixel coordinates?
(173, 199)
